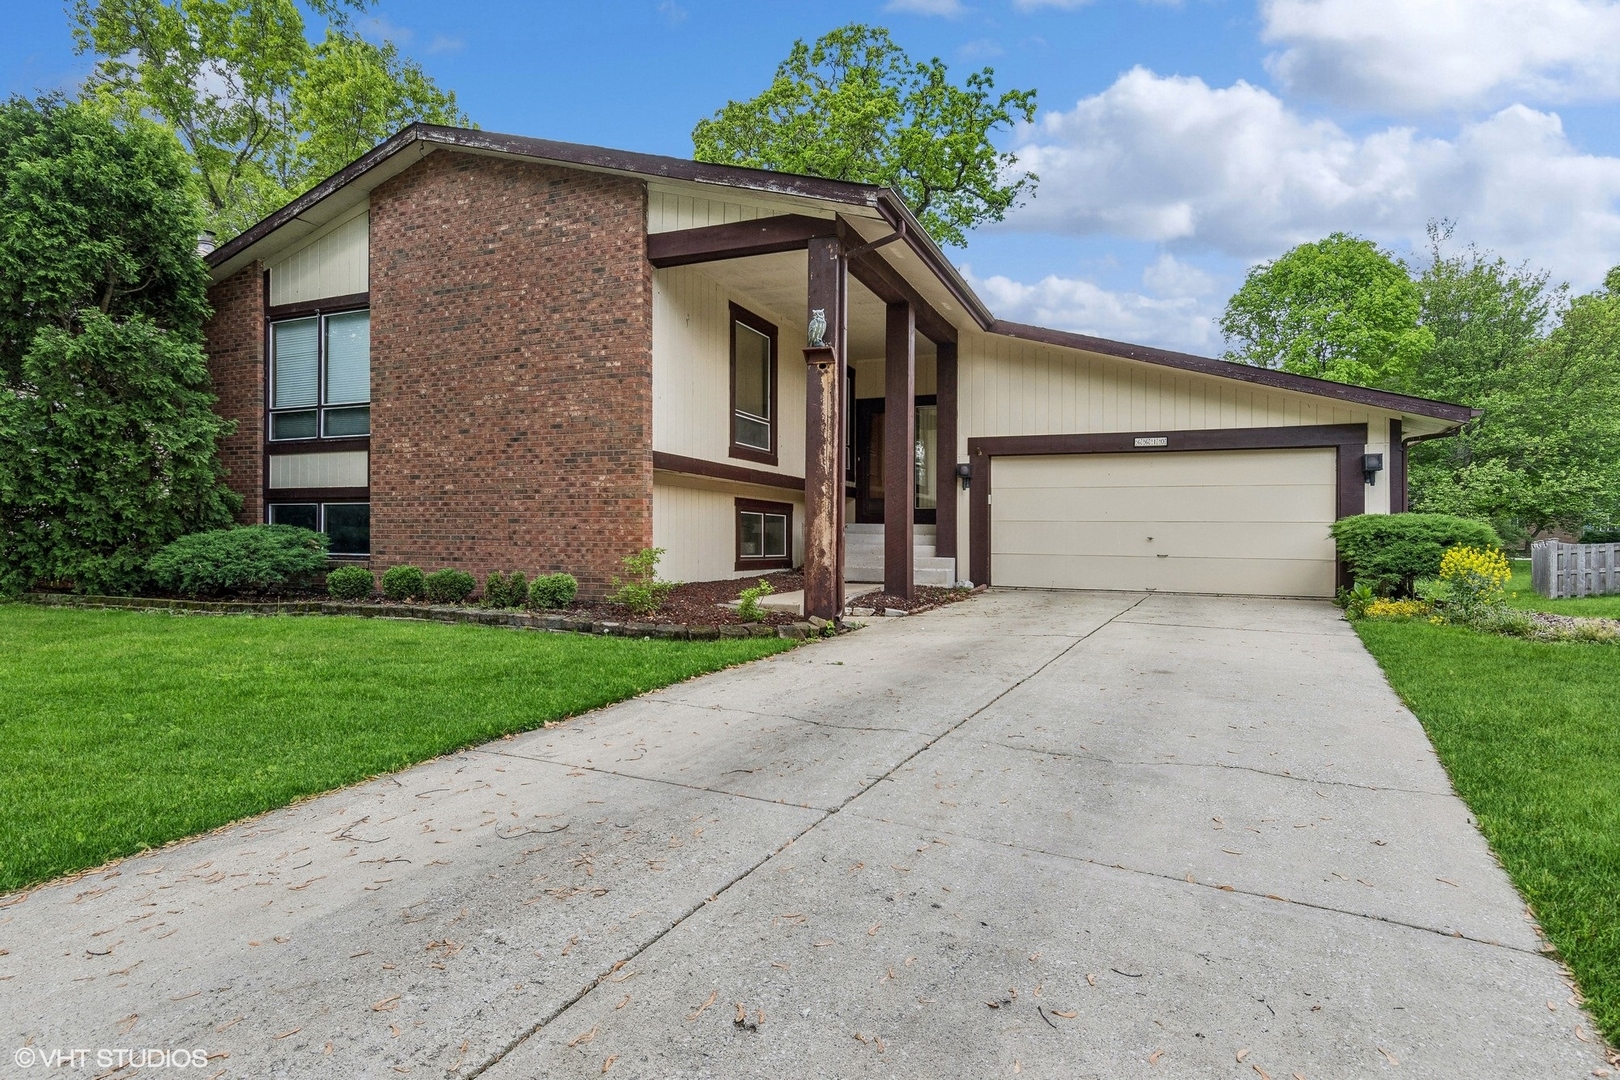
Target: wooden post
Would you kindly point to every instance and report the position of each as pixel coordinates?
(899, 448)
(945, 453)
(825, 366)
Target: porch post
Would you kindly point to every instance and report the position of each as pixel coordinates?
(823, 430)
(899, 448)
(945, 455)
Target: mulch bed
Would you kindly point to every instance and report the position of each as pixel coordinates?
(927, 596)
(698, 603)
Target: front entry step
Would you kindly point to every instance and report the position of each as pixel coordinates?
(863, 556)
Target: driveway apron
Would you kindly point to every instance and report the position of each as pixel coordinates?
(1041, 834)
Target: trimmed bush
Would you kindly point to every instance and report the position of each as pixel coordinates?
(448, 586)
(1389, 552)
(351, 583)
(505, 591)
(552, 590)
(402, 583)
(517, 589)
(254, 558)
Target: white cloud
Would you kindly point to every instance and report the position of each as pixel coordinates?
(1235, 170)
(949, 9)
(1186, 323)
(1414, 56)
(378, 29)
(1169, 276)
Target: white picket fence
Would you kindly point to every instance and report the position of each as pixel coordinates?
(1558, 570)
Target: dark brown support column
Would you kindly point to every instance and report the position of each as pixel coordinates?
(1396, 469)
(945, 451)
(824, 432)
(899, 442)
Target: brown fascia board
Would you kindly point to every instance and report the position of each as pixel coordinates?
(885, 201)
(1225, 369)
(575, 154)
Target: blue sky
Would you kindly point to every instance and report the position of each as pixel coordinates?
(1178, 142)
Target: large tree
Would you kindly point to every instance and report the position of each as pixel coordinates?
(1339, 308)
(108, 437)
(263, 112)
(855, 106)
(1546, 452)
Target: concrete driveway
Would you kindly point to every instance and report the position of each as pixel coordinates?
(1043, 834)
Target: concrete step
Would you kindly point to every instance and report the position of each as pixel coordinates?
(924, 571)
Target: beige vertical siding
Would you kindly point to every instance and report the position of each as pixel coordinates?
(694, 521)
(335, 261)
(668, 210)
(692, 372)
(1014, 387)
(869, 377)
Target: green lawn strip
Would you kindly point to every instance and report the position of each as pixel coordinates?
(1530, 733)
(124, 730)
(1521, 595)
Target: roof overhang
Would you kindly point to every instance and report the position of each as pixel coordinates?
(875, 214)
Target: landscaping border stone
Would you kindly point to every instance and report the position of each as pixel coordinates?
(555, 621)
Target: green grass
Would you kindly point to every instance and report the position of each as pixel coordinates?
(1530, 733)
(123, 730)
(1521, 595)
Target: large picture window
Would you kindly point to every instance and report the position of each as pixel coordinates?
(753, 387)
(764, 535)
(320, 376)
(347, 525)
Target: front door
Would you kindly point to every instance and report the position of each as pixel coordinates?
(869, 442)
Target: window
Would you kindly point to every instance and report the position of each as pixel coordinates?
(347, 525)
(753, 387)
(320, 376)
(764, 535)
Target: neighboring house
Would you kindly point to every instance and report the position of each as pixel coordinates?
(504, 353)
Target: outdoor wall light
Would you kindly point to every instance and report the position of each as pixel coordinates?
(964, 473)
(1371, 466)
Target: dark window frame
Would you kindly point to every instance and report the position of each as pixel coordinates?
(321, 502)
(741, 315)
(320, 311)
(763, 562)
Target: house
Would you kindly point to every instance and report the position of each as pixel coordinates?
(498, 352)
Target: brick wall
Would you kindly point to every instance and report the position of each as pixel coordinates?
(511, 345)
(235, 342)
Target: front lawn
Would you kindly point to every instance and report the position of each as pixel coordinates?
(123, 730)
(1521, 595)
(1530, 733)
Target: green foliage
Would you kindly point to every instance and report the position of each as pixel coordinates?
(401, 583)
(1339, 309)
(1389, 552)
(748, 607)
(262, 112)
(92, 216)
(552, 590)
(256, 558)
(641, 591)
(448, 586)
(503, 591)
(351, 583)
(1356, 601)
(854, 106)
(107, 431)
(1546, 452)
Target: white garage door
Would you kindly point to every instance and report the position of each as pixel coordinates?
(1251, 522)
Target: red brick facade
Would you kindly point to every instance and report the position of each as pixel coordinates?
(235, 342)
(511, 351)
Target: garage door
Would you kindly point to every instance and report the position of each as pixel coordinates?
(1251, 522)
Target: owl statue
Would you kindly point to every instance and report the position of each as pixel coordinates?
(818, 328)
